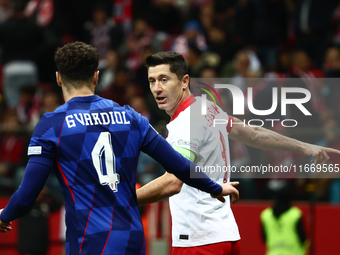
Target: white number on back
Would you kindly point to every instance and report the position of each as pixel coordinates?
(103, 147)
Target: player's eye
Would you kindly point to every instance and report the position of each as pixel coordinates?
(164, 80)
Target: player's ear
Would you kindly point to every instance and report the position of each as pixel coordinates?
(58, 78)
(185, 81)
(95, 77)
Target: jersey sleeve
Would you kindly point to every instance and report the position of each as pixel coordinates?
(230, 123)
(187, 138)
(43, 143)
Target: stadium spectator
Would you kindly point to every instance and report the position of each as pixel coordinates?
(50, 102)
(107, 75)
(192, 35)
(331, 65)
(122, 89)
(5, 10)
(269, 29)
(206, 15)
(195, 61)
(200, 224)
(123, 13)
(103, 34)
(29, 106)
(222, 44)
(141, 76)
(335, 21)
(140, 37)
(243, 22)
(49, 16)
(163, 16)
(95, 209)
(12, 147)
(20, 40)
(282, 65)
(312, 27)
(302, 67)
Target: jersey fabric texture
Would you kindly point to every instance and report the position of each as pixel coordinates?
(76, 139)
(197, 218)
(281, 233)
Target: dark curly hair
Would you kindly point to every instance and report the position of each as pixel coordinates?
(76, 62)
(176, 61)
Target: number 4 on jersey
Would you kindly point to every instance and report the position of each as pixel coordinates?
(103, 150)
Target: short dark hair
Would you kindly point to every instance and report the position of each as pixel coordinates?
(176, 61)
(76, 62)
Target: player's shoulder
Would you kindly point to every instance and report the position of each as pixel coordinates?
(266, 213)
(206, 111)
(296, 211)
(50, 123)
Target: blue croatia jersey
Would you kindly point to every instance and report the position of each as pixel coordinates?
(93, 144)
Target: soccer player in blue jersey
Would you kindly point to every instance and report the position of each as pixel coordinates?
(93, 145)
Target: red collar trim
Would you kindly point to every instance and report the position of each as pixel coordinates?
(184, 105)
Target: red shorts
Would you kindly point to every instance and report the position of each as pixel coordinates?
(223, 248)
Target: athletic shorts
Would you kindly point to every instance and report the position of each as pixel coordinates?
(223, 248)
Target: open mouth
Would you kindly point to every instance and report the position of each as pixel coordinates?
(160, 100)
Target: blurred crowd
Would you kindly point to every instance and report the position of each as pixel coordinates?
(235, 39)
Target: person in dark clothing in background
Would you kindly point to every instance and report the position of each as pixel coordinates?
(20, 40)
(34, 227)
(282, 225)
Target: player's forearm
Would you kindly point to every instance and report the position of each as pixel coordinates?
(266, 139)
(158, 189)
(23, 199)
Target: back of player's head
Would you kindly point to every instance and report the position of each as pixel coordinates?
(176, 62)
(77, 62)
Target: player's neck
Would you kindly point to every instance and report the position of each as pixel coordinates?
(184, 96)
(81, 92)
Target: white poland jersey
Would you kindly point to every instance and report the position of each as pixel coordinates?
(197, 218)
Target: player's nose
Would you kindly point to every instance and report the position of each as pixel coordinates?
(157, 87)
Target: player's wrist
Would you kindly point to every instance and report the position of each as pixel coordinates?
(217, 191)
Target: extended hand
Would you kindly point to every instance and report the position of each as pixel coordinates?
(319, 153)
(4, 227)
(229, 189)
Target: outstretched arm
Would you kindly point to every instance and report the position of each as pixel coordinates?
(163, 187)
(266, 139)
(168, 185)
(23, 199)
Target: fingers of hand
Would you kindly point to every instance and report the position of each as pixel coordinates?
(321, 157)
(234, 199)
(330, 150)
(6, 228)
(325, 156)
(234, 183)
(236, 195)
(222, 199)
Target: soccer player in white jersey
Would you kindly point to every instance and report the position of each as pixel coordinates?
(202, 225)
